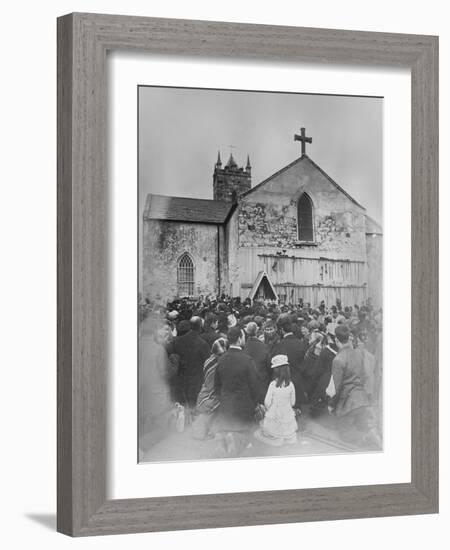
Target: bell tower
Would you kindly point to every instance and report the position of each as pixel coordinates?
(231, 181)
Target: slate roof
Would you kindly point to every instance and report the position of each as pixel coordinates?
(182, 209)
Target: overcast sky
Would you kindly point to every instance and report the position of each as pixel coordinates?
(181, 130)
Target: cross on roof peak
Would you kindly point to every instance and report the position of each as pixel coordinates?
(304, 140)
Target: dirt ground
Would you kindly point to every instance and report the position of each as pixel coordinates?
(317, 437)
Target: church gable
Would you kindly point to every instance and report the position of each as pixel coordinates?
(301, 175)
(275, 213)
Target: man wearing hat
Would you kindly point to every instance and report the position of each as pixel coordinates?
(349, 399)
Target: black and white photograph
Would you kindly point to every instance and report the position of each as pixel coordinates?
(260, 252)
(223, 221)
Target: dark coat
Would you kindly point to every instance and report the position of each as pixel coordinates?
(295, 349)
(296, 330)
(236, 385)
(311, 370)
(259, 352)
(271, 343)
(193, 352)
(210, 336)
(324, 374)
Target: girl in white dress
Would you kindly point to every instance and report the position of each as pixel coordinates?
(279, 425)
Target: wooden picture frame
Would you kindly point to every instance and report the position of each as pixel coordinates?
(83, 41)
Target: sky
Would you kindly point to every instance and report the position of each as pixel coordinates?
(181, 130)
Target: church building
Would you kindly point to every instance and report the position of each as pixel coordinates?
(297, 234)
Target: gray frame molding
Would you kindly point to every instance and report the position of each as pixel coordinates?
(83, 40)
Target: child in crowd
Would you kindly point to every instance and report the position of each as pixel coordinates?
(279, 425)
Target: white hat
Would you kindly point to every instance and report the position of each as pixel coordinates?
(279, 361)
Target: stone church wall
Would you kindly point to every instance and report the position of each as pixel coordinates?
(273, 225)
(268, 215)
(164, 242)
(332, 266)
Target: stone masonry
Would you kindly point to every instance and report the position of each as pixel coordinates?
(230, 182)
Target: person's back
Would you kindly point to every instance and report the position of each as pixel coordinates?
(191, 348)
(207, 400)
(193, 352)
(234, 370)
(259, 352)
(279, 425)
(280, 397)
(237, 388)
(351, 402)
(210, 333)
(210, 336)
(295, 349)
(349, 376)
(324, 365)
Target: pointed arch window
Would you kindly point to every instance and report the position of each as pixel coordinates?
(305, 219)
(185, 275)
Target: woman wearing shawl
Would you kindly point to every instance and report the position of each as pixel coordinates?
(207, 400)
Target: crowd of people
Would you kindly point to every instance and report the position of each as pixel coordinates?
(235, 370)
